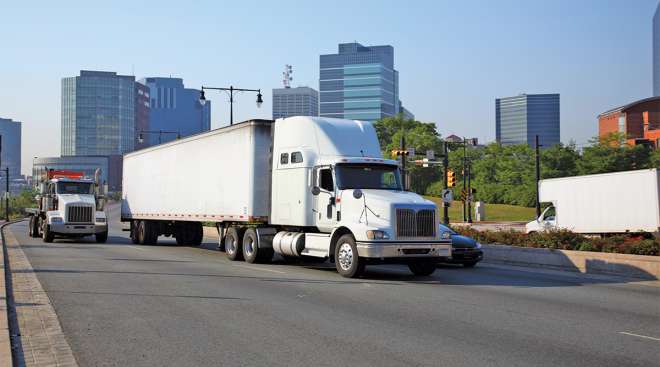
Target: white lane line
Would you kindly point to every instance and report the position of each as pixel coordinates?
(137, 248)
(255, 268)
(640, 336)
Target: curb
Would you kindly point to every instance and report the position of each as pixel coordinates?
(585, 262)
(6, 358)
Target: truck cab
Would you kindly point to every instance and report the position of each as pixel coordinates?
(328, 177)
(69, 205)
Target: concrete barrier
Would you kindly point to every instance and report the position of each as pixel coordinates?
(635, 266)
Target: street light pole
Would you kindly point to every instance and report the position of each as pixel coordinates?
(464, 173)
(445, 164)
(538, 176)
(230, 90)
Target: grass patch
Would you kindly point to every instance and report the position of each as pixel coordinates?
(494, 212)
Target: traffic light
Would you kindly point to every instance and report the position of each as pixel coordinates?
(451, 178)
(399, 152)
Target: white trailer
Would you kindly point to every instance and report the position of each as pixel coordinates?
(301, 186)
(619, 202)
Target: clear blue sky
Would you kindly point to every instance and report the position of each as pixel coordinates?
(454, 57)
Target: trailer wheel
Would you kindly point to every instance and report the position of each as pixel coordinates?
(347, 261)
(251, 251)
(47, 235)
(101, 237)
(29, 233)
(422, 267)
(233, 247)
(134, 232)
(147, 233)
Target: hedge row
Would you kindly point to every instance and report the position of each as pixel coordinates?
(567, 240)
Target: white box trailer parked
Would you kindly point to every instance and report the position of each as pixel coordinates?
(300, 186)
(616, 202)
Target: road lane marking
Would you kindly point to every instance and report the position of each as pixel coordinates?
(256, 268)
(639, 336)
(137, 248)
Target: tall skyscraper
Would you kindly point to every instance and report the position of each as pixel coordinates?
(10, 131)
(656, 52)
(98, 113)
(142, 114)
(174, 108)
(519, 119)
(300, 101)
(359, 82)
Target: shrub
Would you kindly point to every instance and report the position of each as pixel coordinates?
(567, 240)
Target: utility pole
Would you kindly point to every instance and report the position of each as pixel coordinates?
(464, 173)
(403, 162)
(468, 199)
(445, 164)
(7, 194)
(538, 176)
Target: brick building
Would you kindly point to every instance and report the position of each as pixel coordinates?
(639, 121)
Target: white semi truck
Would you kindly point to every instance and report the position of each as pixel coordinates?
(300, 186)
(69, 205)
(619, 202)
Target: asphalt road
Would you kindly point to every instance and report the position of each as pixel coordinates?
(125, 305)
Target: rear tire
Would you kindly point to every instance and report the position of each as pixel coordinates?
(347, 261)
(147, 234)
(101, 237)
(470, 264)
(233, 247)
(47, 235)
(422, 268)
(134, 232)
(29, 227)
(251, 251)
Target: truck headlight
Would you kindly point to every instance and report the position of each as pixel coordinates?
(377, 235)
(56, 220)
(446, 235)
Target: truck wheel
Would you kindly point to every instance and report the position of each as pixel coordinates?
(251, 251)
(197, 233)
(35, 226)
(469, 264)
(422, 267)
(134, 232)
(101, 237)
(147, 233)
(29, 227)
(347, 261)
(233, 247)
(47, 235)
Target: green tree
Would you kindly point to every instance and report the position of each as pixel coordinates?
(611, 153)
(559, 161)
(419, 135)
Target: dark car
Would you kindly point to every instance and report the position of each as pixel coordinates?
(464, 250)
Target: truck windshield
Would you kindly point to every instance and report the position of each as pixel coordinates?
(74, 188)
(368, 176)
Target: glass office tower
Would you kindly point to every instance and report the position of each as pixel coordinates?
(98, 113)
(519, 119)
(359, 82)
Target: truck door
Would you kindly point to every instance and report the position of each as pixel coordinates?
(325, 210)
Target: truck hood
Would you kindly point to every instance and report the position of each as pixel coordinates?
(65, 199)
(380, 204)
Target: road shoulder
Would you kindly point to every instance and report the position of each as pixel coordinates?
(39, 340)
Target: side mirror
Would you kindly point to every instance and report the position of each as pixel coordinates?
(316, 190)
(357, 193)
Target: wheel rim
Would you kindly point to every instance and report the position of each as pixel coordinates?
(230, 245)
(248, 247)
(345, 256)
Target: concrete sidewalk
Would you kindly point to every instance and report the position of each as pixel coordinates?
(5, 341)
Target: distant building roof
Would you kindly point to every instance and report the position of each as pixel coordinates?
(630, 105)
(454, 139)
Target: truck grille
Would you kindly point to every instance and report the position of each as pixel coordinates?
(80, 214)
(414, 224)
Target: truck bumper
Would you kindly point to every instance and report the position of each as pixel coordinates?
(382, 250)
(78, 229)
